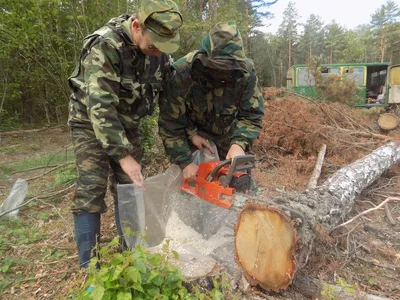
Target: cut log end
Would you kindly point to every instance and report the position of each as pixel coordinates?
(264, 245)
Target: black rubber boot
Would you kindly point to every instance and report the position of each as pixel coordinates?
(87, 234)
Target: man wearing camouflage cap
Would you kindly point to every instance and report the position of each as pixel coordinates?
(213, 95)
(116, 83)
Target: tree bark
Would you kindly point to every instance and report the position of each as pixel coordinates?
(300, 218)
(290, 51)
(382, 44)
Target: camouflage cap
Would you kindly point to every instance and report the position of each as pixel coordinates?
(163, 20)
(224, 42)
(223, 48)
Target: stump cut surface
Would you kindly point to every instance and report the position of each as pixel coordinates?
(264, 244)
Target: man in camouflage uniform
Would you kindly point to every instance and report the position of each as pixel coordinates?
(213, 95)
(116, 83)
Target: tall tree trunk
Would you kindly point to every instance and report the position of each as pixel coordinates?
(210, 9)
(84, 15)
(290, 52)
(215, 9)
(331, 56)
(245, 36)
(46, 105)
(201, 7)
(382, 45)
(5, 87)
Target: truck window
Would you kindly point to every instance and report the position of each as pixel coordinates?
(305, 77)
(356, 73)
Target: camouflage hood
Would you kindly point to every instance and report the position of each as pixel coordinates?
(123, 22)
(222, 48)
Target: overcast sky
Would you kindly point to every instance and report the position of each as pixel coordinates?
(348, 13)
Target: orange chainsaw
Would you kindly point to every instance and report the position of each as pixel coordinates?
(223, 183)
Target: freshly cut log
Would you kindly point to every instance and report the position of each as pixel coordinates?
(265, 241)
(274, 237)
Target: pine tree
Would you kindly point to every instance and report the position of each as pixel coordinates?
(383, 22)
(311, 42)
(289, 37)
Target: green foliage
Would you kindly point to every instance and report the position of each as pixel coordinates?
(331, 292)
(334, 87)
(3, 284)
(348, 288)
(37, 161)
(148, 132)
(8, 121)
(140, 274)
(65, 176)
(6, 265)
(374, 42)
(40, 43)
(35, 147)
(7, 149)
(328, 292)
(14, 232)
(373, 111)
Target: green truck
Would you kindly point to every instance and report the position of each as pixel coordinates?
(379, 83)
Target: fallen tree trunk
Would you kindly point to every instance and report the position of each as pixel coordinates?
(274, 237)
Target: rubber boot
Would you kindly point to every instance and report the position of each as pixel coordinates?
(87, 233)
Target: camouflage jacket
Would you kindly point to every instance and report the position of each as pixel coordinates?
(213, 90)
(114, 85)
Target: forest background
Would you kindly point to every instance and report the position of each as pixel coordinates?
(40, 42)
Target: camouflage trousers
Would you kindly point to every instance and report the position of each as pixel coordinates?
(96, 169)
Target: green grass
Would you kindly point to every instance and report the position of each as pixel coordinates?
(9, 149)
(48, 159)
(65, 176)
(15, 262)
(13, 233)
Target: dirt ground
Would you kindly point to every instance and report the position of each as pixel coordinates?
(363, 256)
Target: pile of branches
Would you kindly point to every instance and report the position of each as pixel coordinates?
(299, 127)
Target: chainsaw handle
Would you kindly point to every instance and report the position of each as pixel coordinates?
(217, 168)
(238, 163)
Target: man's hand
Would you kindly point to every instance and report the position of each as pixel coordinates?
(201, 143)
(189, 172)
(132, 169)
(235, 150)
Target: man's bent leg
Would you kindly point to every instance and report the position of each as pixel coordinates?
(88, 203)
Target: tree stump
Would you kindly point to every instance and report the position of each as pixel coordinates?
(272, 237)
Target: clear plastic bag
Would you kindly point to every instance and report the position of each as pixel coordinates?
(15, 198)
(200, 232)
(132, 213)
